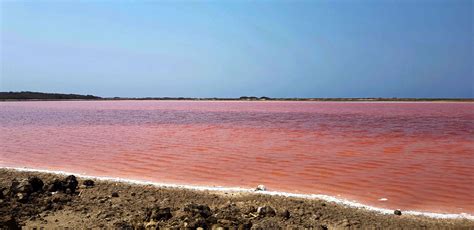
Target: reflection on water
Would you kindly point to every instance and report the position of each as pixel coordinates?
(419, 156)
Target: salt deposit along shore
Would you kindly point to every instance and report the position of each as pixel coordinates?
(49, 200)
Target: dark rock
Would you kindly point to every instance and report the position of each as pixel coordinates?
(211, 220)
(156, 214)
(122, 225)
(88, 183)
(22, 186)
(115, 194)
(245, 226)
(22, 190)
(397, 212)
(163, 214)
(228, 212)
(9, 222)
(2, 196)
(198, 210)
(71, 183)
(265, 211)
(285, 214)
(13, 187)
(55, 186)
(68, 185)
(36, 184)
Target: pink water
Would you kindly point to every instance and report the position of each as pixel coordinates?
(420, 156)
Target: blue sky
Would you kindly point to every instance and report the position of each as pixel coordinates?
(376, 48)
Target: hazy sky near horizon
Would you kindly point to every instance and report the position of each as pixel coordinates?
(365, 48)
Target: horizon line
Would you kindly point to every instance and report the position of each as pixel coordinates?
(23, 95)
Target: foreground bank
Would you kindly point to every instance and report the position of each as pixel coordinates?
(49, 200)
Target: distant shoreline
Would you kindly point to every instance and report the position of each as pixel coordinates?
(38, 96)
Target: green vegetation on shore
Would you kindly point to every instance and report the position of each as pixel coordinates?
(26, 95)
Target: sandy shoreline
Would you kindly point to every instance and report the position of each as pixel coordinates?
(124, 205)
(220, 189)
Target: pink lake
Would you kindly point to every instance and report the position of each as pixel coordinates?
(419, 156)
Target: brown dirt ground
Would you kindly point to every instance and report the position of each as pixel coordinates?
(114, 205)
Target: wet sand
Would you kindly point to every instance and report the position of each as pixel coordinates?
(51, 200)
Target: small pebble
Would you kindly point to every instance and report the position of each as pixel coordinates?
(261, 187)
(285, 214)
(88, 183)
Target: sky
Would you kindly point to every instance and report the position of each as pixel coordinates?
(339, 48)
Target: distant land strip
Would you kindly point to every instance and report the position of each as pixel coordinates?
(38, 96)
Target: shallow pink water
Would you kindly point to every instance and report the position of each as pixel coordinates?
(420, 156)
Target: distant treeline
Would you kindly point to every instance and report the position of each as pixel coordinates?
(252, 98)
(26, 95)
(57, 96)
